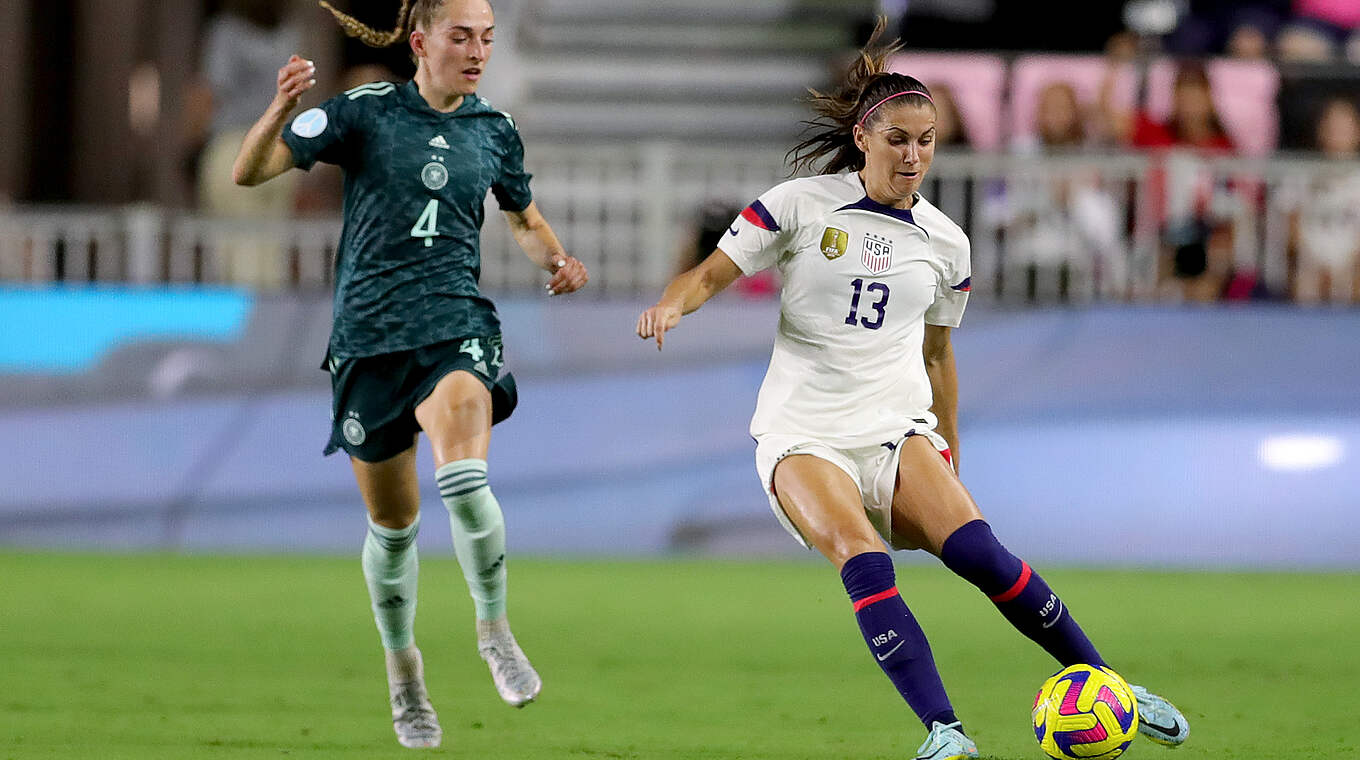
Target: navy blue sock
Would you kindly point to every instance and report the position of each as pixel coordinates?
(894, 636)
(974, 554)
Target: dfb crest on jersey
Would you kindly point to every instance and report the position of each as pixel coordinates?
(877, 256)
(834, 243)
(353, 429)
(434, 175)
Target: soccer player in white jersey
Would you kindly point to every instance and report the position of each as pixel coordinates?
(856, 424)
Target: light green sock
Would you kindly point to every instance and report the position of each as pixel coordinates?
(391, 569)
(478, 533)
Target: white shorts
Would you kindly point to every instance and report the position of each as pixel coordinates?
(872, 468)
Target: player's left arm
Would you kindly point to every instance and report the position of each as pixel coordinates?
(944, 385)
(542, 247)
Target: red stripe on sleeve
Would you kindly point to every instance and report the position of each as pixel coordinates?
(880, 596)
(1019, 586)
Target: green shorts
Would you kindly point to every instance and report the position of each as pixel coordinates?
(374, 398)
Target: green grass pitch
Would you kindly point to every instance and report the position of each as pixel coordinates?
(262, 657)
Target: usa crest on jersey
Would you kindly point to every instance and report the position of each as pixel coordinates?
(877, 255)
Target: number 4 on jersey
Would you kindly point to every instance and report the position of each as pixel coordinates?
(427, 225)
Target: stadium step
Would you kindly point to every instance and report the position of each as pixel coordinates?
(644, 37)
(701, 11)
(634, 78)
(698, 71)
(678, 121)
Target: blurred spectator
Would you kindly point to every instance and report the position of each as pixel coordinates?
(1237, 29)
(1325, 228)
(1192, 206)
(320, 190)
(1321, 30)
(366, 73)
(1193, 122)
(1248, 42)
(711, 223)
(950, 130)
(1058, 120)
(243, 47)
(1062, 231)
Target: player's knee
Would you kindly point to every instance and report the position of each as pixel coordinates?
(840, 549)
(394, 519)
(458, 392)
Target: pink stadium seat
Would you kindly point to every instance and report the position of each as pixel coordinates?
(1244, 93)
(977, 81)
(1030, 74)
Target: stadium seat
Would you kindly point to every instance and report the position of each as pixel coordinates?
(977, 82)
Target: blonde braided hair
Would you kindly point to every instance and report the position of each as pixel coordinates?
(408, 18)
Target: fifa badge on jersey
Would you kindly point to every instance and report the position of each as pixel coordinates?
(877, 256)
(834, 243)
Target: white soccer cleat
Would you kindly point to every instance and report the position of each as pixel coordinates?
(1159, 720)
(413, 716)
(946, 742)
(516, 680)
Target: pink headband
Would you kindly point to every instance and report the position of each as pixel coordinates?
(860, 123)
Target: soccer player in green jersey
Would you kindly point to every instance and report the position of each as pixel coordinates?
(415, 345)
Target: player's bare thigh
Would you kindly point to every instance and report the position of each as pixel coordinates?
(457, 418)
(390, 488)
(825, 505)
(929, 501)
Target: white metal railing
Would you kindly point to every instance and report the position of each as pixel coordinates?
(1076, 228)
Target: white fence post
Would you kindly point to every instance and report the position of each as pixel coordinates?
(145, 228)
(657, 240)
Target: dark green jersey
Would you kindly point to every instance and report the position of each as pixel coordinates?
(415, 184)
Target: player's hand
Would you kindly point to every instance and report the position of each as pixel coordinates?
(568, 276)
(655, 321)
(296, 77)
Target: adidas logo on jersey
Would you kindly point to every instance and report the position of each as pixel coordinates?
(438, 141)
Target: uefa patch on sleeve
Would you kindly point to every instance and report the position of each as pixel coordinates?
(310, 123)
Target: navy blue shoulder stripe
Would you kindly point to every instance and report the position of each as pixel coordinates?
(757, 214)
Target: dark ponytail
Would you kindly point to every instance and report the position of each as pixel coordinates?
(830, 137)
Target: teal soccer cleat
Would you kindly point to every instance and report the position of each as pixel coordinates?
(946, 742)
(1159, 720)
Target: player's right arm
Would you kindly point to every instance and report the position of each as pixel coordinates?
(264, 155)
(753, 243)
(686, 293)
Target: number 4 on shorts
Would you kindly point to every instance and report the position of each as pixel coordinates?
(472, 347)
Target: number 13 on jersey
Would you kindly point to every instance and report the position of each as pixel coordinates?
(427, 226)
(879, 304)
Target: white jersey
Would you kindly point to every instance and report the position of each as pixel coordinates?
(861, 281)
